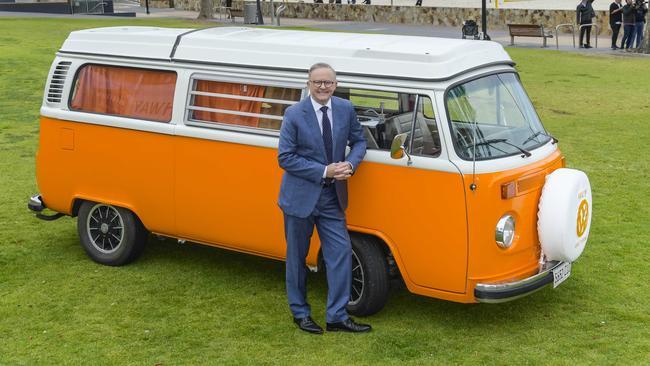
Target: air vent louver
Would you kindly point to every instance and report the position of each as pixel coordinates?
(55, 91)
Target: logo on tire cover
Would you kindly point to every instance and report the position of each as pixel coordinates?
(583, 217)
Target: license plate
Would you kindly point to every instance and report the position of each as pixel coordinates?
(561, 273)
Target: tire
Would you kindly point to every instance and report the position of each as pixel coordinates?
(370, 279)
(110, 235)
(564, 216)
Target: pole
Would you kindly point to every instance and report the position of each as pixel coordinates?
(146, 5)
(484, 21)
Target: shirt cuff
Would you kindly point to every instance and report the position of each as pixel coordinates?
(325, 172)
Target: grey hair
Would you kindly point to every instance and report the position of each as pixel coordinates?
(321, 65)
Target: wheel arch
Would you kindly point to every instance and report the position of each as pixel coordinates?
(78, 200)
(386, 246)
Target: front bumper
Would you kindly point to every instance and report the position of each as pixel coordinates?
(502, 292)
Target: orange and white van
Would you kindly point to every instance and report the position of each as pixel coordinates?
(175, 132)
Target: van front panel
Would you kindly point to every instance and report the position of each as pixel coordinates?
(488, 262)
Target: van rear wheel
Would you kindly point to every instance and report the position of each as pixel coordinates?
(110, 235)
(370, 279)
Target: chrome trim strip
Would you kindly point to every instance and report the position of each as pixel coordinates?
(228, 111)
(242, 97)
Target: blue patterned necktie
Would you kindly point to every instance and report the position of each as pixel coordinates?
(327, 135)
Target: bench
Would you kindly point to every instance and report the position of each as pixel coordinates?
(232, 13)
(528, 30)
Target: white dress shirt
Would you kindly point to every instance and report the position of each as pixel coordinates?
(319, 116)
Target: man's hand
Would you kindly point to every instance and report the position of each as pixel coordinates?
(339, 171)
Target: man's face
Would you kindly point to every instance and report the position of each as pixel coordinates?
(629, 2)
(323, 76)
(618, 1)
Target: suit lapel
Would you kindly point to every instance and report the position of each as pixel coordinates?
(312, 125)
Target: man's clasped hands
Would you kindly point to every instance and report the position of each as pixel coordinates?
(341, 170)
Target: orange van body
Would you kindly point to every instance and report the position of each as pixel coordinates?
(175, 132)
(205, 191)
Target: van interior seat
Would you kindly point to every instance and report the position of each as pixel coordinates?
(370, 139)
(422, 139)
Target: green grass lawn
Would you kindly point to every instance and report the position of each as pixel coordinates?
(190, 304)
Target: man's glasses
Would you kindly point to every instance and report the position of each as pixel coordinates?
(319, 83)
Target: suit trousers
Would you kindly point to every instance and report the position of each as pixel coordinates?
(329, 220)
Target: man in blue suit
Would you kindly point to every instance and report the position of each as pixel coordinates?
(314, 135)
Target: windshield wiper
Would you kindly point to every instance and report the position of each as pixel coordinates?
(525, 152)
(534, 136)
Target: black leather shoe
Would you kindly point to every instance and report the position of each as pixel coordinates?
(308, 325)
(348, 325)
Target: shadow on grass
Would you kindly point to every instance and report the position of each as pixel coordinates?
(254, 273)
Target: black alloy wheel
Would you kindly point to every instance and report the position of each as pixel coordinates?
(370, 278)
(110, 235)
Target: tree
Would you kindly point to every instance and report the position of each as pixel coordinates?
(206, 10)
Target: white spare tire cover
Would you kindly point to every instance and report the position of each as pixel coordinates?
(564, 216)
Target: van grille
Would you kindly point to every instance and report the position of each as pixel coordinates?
(55, 91)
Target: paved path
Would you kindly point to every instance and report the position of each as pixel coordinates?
(521, 4)
(565, 40)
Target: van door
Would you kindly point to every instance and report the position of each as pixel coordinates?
(419, 208)
(227, 174)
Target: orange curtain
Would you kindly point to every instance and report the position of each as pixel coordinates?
(228, 103)
(128, 92)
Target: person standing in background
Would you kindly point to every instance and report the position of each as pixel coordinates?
(615, 20)
(639, 18)
(584, 14)
(629, 24)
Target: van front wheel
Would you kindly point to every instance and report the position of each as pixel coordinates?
(370, 280)
(110, 235)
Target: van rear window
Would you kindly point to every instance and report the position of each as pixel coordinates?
(240, 104)
(125, 92)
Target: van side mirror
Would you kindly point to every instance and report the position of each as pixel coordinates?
(397, 149)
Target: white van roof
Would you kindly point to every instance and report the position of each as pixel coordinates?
(423, 58)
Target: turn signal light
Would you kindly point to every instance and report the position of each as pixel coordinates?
(508, 190)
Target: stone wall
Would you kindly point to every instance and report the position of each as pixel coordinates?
(448, 17)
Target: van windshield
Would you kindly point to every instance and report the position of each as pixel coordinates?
(493, 117)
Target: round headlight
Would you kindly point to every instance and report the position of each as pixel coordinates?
(505, 231)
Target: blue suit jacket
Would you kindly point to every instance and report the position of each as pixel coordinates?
(301, 154)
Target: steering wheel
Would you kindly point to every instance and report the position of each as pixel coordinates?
(465, 143)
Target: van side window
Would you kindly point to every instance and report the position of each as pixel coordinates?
(125, 92)
(384, 115)
(240, 104)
